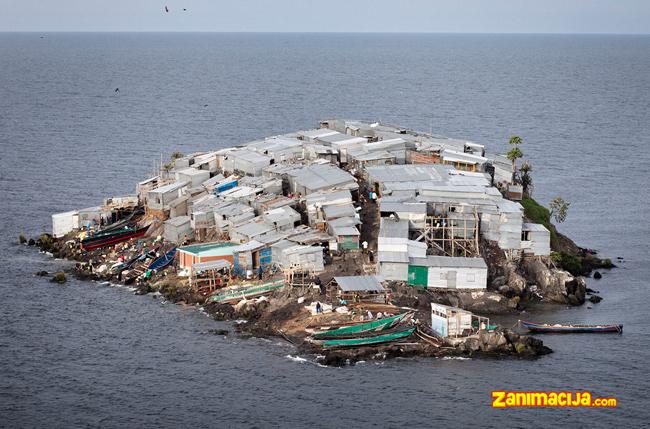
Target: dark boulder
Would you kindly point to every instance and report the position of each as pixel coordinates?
(42, 273)
(59, 277)
(597, 275)
(595, 299)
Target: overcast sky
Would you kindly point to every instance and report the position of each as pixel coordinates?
(464, 16)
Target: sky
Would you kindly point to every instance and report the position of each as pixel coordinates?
(436, 16)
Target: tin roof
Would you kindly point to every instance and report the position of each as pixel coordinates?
(178, 221)
(209, 249)
(171, 187)
(390, 228)
(360, 283)
(321, 176)
(536, 227)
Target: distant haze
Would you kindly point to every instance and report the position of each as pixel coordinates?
(456, 16)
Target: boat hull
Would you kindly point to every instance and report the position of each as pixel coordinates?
(572, 329)
(368, 341)
(162, 262)
(374, 326)
(92, 244)
(233, 296)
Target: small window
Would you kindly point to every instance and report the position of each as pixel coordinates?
(471, 277)
(443, 276)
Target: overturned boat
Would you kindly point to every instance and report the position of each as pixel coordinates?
(571, 329)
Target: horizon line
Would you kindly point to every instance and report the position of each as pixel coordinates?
(319, 32)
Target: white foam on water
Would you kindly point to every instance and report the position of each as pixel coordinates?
(296, 358)
(456, 358)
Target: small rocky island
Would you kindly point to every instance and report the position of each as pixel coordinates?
(352, 241)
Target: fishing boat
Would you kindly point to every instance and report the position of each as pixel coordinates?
(368, 341)
(235, 294)
(103, 239)
(354, 330)
(163, 261)
(546, 328)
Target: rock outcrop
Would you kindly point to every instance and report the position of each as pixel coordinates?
(554, 285)
(501, 342)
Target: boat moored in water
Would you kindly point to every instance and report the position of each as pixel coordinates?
(571, 329)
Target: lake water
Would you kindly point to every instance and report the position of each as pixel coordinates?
(87, 354)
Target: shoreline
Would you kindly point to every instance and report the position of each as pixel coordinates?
(359, 209)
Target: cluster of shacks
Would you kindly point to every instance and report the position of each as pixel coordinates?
(287, 200)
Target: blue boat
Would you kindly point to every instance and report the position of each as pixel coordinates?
(163, 261)
(571, 329)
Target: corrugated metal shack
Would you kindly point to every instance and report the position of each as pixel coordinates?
(249, 230)
(341, 142)
(392, 249)
(282, 218)
(178, 229)
(287, 254)
(315, 202)
(204, 252)
(448, 272)
(159, 199)
(535, 239)
(449, 321)
(318, 177)
(230, 213)
(250, 256)
(414, 212)
(245, 161)
(93, 216)
(64, 223)
(192, 176)
(279, 148)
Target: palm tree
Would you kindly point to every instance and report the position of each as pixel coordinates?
(515, 153)
(526, 178)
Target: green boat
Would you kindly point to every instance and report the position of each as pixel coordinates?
(240, 293)
(374, 326)
(368, 341)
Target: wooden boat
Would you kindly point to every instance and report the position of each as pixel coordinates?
(109, 238)
(130, 220)
(238, 293)
(368, 341)
(163, 261)
(353, 330)
(546, 328)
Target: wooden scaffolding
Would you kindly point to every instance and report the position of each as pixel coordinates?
(453, 234)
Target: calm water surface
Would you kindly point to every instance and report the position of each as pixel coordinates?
(86, 354)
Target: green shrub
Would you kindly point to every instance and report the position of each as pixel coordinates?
(537, 213)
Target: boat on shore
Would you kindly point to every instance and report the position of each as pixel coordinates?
(238, 293)
(163, 261)
(368, 341)
(104, 239)
(362, 328)
(571, 329)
